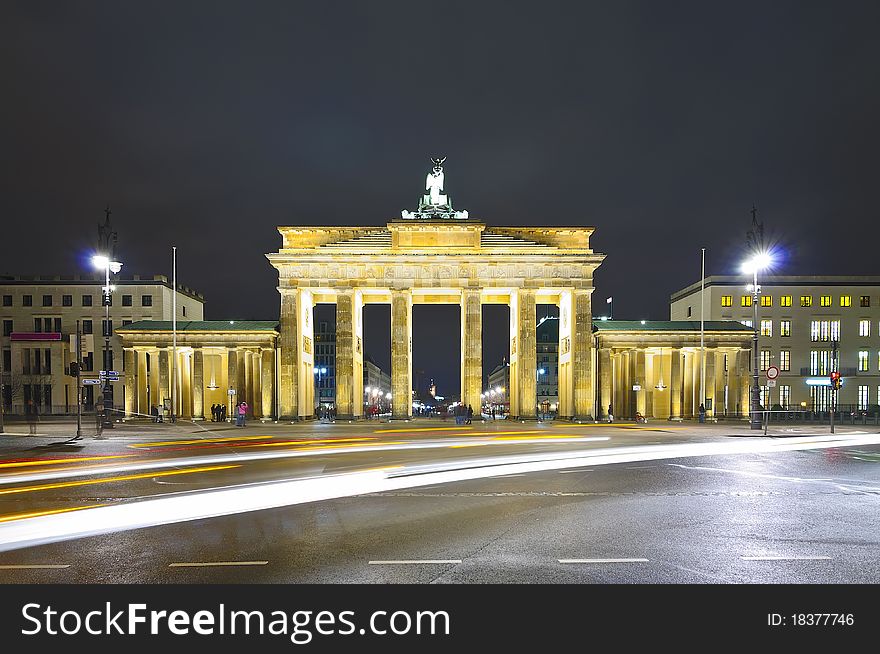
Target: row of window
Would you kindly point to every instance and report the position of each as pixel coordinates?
(820, 362)
(820, 330)
(67, 300)
(785, 300)
(50, 325)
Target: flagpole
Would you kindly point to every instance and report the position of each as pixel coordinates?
(173, 332)
(702, 330)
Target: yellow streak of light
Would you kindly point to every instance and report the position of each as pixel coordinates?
(49, 462)
(200, 440)
(357, 440)
(34, 514)
(391, 431)
(88, 482)
(333, 447)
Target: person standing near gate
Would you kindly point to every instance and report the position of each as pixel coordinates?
(242, 413)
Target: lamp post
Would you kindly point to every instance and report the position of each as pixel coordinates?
(319, 372)
(102, 262)
(753, 265)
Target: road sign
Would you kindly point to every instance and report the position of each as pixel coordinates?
(91, 381)
(772, 372)
(771, 383)
(232, 391)
(112, 373)
(637, 387)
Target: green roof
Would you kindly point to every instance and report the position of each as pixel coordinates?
(670, 326)
(203, 326)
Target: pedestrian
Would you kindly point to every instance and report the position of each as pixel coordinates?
(32, 417)
(242, 413)
(610, 414)
(702, 413)
(213, 413)
(154, 412)
(470, 414)
(222, 413)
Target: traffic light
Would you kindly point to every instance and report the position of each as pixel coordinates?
(73, 369)
(835, 380)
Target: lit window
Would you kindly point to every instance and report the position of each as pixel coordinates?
(766, 300)
(863, 397)
(806, 300)
(864, 300)
(765, 359)
(745, 301)
(784, 396)
(835, 330)
(824, 360)
(785, 301)
(785, 360)
(863, 361)
(766, 328)
(824, 300)
(814, 331)
(785, 327)
(726, 300)
(864, 327)
(846, 300)
(814, 362)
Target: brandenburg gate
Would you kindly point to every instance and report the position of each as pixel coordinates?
(435, 255)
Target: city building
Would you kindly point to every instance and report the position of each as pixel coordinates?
(802, 320)
(39, 323)
(377, 386)
(325, 364)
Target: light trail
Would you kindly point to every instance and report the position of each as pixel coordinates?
(197, 505)
(51, 462)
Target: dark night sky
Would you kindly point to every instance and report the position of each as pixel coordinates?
(207, 124)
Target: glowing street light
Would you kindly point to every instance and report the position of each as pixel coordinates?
(760, 261)
(103, 262)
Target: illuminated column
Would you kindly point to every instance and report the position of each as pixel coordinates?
(143, 382)
(566, 356)
(642, 380)
(232, 381)
(675, 384)
(528, 355)
(582, 348)
(745, 382)
(289, 367)
(268, 380)
(349, 354)
(184, 366)
(648, 385)
(256, 384)
(717, 381)
(687, 373)
(471, 348)
(709, 382)
(198, 384)
(164, 379)
(130, 361)
(513, 354)
(733, 379)
(241, 377)
(401, 353)
(305, 337)
(605, 381)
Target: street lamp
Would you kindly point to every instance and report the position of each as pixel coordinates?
(319, 372)
(102, 262)
(758, 262)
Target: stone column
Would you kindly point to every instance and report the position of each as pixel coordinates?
(164, 379)
(267, 375)
(605, 381)
(733, 383)
(675, 384)
(718, 376)
(241, 378)
(648, 386)
(349, 354)
(709, 382)
(471, 348)
(198, 384)
(232, 380)
(143, 406)
(288, 370)
(527, 356)
(256, 384)
(567, 317)
(746, 383)
(687, 374)
(642, 380)
(582, 347)
(401, 353)
(130, 362)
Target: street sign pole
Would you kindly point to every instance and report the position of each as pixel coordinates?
(77, 358)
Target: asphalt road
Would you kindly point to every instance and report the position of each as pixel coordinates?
(636, 504)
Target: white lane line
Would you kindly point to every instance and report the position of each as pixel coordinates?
(215, 563)
(34, 567)
(785, 558)
(602, 560)
(415, 561)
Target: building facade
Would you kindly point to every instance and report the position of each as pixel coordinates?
(39, 322)
(807, 327)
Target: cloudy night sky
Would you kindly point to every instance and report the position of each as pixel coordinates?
(206, 124)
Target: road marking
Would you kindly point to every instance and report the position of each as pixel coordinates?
(34, 514)
(416, 562)
(215, 563)
(785, 558)
(49, 462)
(392, 431)
(34, 567)
(603, 560)
(88, 482)
(200, 440)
